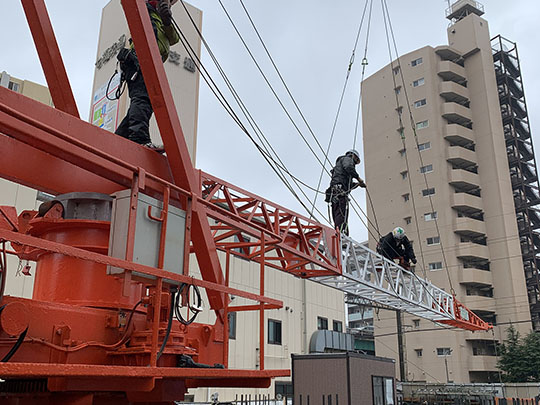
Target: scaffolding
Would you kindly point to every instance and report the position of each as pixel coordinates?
(521, 163)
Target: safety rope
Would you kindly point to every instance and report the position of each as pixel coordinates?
(351, 62)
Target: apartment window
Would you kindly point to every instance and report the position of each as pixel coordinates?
(417, 62)
(407, 220)
(444, 351)
(422, 124)
(434, 240)
(337, 326)
(405, 197)
(428, 191)
(13, 86)
(424, 146)
(420, 103)
(435, 266)
(418, 352)
(426, 169)
(430, 216)
(418, 82)
(416, 323)
(322, 323)
(274, 332)
(404, 175)
(232, 325)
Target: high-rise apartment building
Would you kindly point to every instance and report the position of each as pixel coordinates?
(460, 178)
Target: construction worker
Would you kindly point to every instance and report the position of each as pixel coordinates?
(341, 185)
(396, 245)
(135, 125)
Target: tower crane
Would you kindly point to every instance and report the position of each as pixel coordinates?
(99, 327)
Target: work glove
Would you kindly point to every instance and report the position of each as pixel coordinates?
(164, 10)
(361, 183)
(414, 261)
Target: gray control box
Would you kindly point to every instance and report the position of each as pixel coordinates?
(147, 233)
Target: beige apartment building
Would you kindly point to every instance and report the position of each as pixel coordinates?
(21, 197)
(449, 185)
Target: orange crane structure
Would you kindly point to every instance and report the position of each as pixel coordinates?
(99, 328)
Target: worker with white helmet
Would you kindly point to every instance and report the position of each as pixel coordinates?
(396, 245)
(341, 185)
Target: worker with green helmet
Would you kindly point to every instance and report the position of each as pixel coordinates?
(396, 245)
(341, 184)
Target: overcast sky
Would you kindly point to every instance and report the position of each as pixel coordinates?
(311, 42)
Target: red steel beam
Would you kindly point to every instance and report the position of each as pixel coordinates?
(172, 135)
(94, 153)
(49, 54)
(47, 171)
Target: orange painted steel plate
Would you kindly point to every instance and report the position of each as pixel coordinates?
(29, 370)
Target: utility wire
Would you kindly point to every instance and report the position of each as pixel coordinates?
(317, 191)
(246, 113)
(280, 75)
(351, 62)
(269, 84)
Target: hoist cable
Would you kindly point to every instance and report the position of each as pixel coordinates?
(364, 64)
(413, 126)
(351, 62)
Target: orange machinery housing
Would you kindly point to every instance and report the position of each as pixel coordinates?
(94, 336)
(91, 337)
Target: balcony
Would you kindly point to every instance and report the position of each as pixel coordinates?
(447, 53)
(461, 157)
(472, 251)
(458, 134)
(453, 92)
(450, 71)
(467, 203)
(463, 179)
(469, 227)
(483, 363)
(476, 277)
(455, 113)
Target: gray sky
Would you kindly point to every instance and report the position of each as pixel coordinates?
(311, 42)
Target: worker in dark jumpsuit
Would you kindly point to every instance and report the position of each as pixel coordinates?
(341, 185)
(135, 125)
(396, 245)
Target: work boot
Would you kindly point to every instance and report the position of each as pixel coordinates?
(154, 147)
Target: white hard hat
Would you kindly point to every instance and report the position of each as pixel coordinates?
(355, 153)
(398, 233)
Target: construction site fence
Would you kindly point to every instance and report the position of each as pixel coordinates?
(410, 393)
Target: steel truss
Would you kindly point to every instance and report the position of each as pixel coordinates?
(370, 276)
